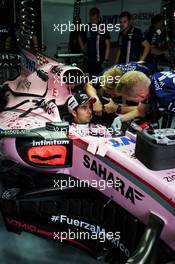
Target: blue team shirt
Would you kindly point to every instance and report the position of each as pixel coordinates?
(137, 38)
(146, 68)
(162, 93)
(162, 89)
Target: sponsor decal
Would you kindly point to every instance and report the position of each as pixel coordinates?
(28, 63)
(121, 246)
(74, 222)
(19, 224)
(110, 19)
(101, 171)
(121, 141)
(170, 176)
(92, 228)
(50, 142)
(41, 60)
(27, 84)
(169, 75)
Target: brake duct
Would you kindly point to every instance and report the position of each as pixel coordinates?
(146, 250)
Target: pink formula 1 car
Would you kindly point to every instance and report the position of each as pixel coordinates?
(87, 190)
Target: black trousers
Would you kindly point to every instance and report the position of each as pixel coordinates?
(94, 68)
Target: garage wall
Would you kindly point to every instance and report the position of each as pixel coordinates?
(55, 12)
(142, 11)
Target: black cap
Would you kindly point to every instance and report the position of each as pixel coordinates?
(78, 100)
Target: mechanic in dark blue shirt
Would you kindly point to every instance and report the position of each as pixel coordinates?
(97, 44)
(105, 86)
(156, 36)
(132, 44)
(152, 93)
(77, 38)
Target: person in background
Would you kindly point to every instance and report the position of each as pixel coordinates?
(132, 44)
(97, 45)
(77, 39)
(156, 36)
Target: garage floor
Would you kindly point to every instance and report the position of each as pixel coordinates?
(29, 249)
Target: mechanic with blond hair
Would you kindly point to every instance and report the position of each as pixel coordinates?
(152, 93)
(104, 88)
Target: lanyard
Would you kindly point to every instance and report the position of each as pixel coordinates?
(130, 35)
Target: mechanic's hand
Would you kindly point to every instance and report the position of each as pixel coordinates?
(116, 124)
(97, 108)
(111, 107)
